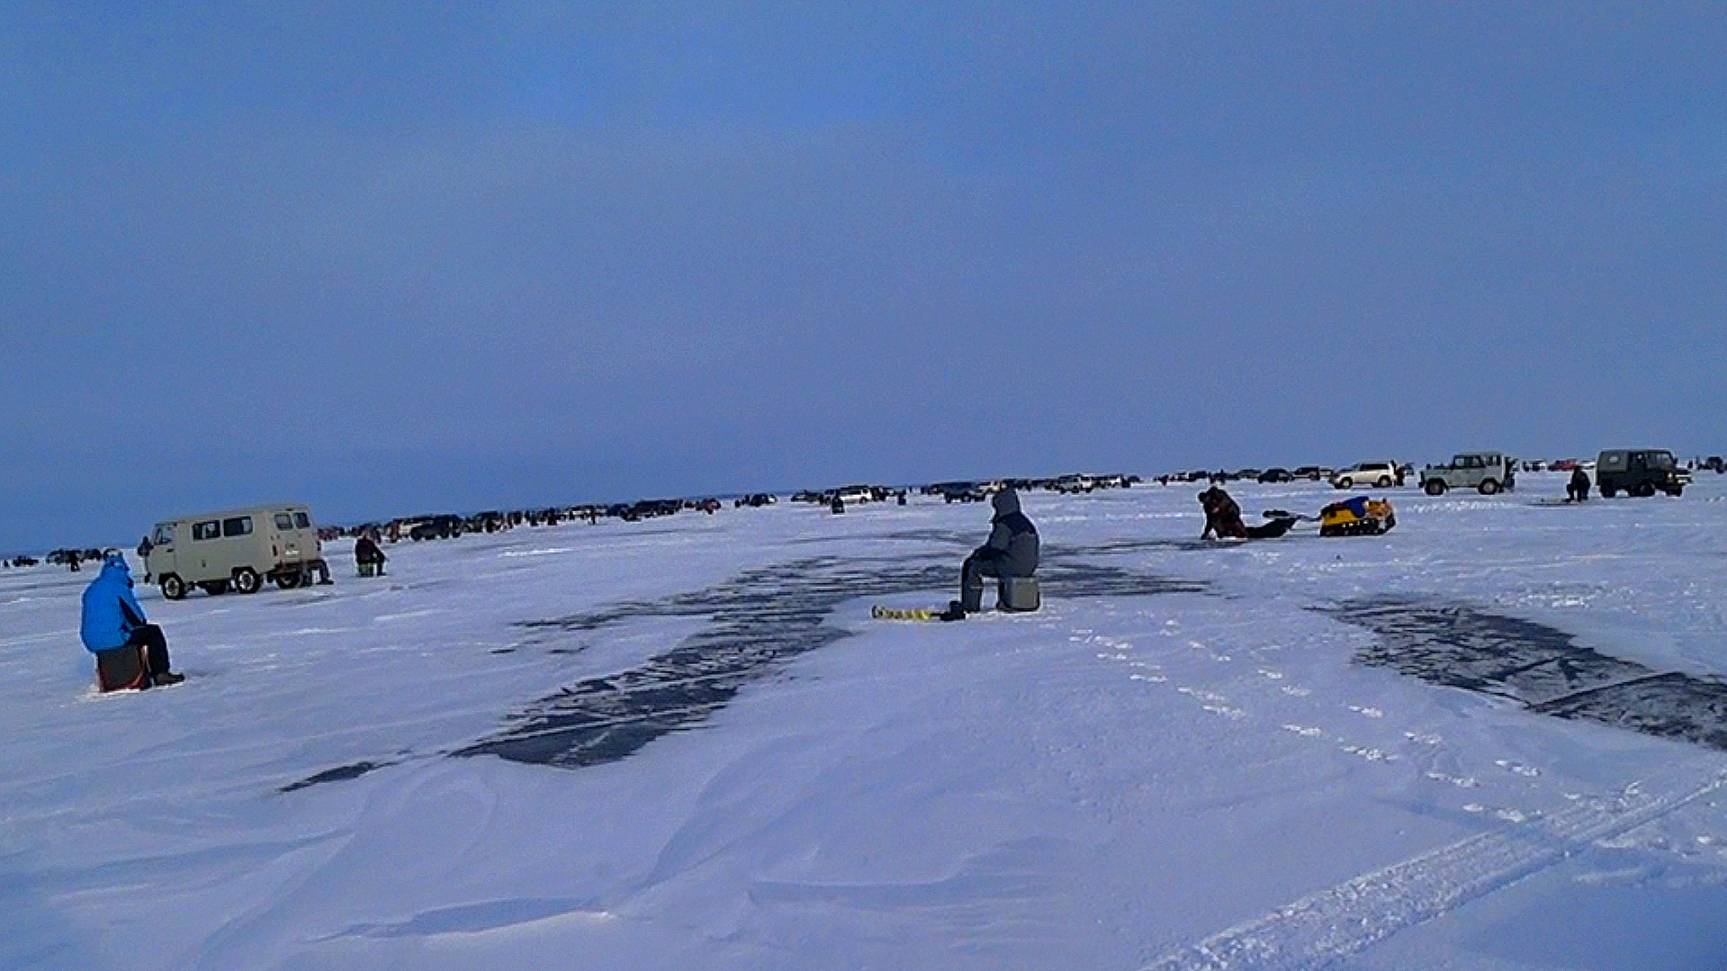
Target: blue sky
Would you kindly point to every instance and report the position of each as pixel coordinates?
(385, 258)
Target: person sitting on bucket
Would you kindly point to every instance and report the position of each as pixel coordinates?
(1577, 490)
(112, 620)
(1010, 551)
(367, 556)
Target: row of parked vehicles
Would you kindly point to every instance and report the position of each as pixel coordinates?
(1635, 472)
(242, 549)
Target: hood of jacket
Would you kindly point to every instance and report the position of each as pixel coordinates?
(1006, 502)
(115, 570)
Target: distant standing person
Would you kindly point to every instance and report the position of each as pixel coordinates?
(1577, 490)
(1011, 551)
(144, 548)
(130, 651)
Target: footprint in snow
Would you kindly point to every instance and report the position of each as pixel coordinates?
(1517, 767)
(1152, 678)
(1367, 712)
(1271, 675)
(1421, 739)
(1370, 754)
(1460, 781)
(1305, 731)
(1506, 813)
(1294, 692)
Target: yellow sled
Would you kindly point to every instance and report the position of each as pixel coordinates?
(1360, 516)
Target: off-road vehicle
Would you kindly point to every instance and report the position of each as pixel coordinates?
(1639, 472)
(1485, 472)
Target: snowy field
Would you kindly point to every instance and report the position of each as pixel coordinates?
(1491, 739)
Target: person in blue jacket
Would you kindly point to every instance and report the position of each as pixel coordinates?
(113, 620)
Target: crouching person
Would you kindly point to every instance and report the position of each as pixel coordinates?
(1011, 551)
(130, 651)
(1223, 519)
(368, 557)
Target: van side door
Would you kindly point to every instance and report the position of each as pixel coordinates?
(161, 559)
(206, 538)
(239, 546)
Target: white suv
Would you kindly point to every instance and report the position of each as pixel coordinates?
(1381, 475)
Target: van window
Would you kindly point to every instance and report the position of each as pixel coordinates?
(209, 530)
(284, 521)
(164, 536)
(238, 526)
(1661, 460)
(302, 520)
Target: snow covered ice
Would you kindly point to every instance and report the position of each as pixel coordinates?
(1492, 738)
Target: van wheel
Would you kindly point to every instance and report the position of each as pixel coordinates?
(1434, 488)
(1608, 492)
(246, 580)
(287, 581)
(173, 587)
(1676, 492)
(1384, 482)
(1489, 487)
(1643, 490)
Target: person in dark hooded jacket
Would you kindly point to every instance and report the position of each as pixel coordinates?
(1223, 519)
(1577, 490)
(112, 620)
(1010, 551)
(1222, 515)
(368, 554)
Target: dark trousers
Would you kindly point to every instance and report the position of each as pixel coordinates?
(155, 645)
(971, 580)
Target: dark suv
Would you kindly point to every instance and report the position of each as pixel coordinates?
(1639, 472)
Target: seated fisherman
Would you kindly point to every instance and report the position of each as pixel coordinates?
(1577, 490)
(1010, 551)
(368, 556)
(113, 621)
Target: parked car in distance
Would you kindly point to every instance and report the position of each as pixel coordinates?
(1382, 475)
(444, 526)
(1276, 475)
(1313, 472)
(1485, 472)
(1639, 472)
(235, 549)
(1715, 464)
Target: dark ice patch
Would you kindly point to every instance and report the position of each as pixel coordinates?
(340, 773)
(1538, 666)
(758, 622)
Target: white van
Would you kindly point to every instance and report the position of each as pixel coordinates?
(237, 548)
